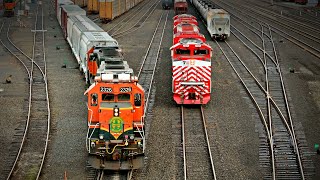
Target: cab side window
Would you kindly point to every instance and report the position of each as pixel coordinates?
(94, 99)
(137, 99)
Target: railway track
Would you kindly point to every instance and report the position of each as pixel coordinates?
(31, 138)
(138, 24)
(146, 78)
(129, 17)
(105, 175)
(197, 157)
(282, 154)
(148, 67)
(296, 36)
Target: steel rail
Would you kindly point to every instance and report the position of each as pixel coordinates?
(206, 139)
(294, 15)
(126, 19)
(287, 107)
(274, 104)
(148, 85)
(31, 86)
(132, 28)
(183, 145)
(312, 50)
(208, 144)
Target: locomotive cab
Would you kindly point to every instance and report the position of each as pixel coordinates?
(191, 72)
(110, 54)
(115, 139)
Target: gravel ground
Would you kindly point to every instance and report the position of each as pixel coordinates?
(67, 151)
(15, 95)
(229, 113)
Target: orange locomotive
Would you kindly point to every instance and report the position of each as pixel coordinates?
(115, 138)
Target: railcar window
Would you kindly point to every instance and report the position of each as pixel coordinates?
(107, 97)
(200, 52)
(183, 51)
(123, 97)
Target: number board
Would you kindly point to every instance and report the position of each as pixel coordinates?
(105, 89)
(125, 89)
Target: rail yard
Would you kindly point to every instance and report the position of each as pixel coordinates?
(144, 67)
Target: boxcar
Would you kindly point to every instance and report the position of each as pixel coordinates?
(180, 6)
(110, 9)
(69, 10)
(93, 6)
(59, 4)
(81, 3)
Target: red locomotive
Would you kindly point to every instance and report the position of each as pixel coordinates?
(180, 6)
(191, 64)
(9, 6)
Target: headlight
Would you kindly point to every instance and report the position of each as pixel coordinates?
(101, 136)
(131, 136)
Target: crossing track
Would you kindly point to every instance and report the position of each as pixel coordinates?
(29, 148)
(304, 36)
(281, 155)
(197, 157)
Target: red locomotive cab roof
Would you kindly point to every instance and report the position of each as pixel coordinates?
(184, 16)
(191, 48)
(186, 27)
(185, 35)
(185, 20)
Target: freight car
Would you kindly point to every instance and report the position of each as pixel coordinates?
(93, 6)
(180, 6)
(9, 6)
(115, 136)
(81, 3)
(110, 9)
(218, 20)
(191, 65)
(167, 4)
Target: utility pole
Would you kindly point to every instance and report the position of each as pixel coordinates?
(271, 2)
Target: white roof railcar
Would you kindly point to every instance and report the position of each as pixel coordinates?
(218, 20)
(88, 40)
(78, 24)
(218, 23)
(58, 8)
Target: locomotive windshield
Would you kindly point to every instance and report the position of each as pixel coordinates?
(107, 97)
(200, 52)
